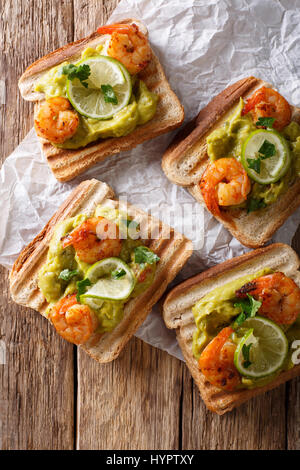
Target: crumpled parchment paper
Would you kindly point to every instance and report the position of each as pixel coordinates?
(203, 46)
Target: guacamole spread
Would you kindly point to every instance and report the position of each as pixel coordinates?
(54, 287)
(227, 141)
(140, 109)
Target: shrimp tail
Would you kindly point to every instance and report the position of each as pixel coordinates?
(210, 198)
(120, 28)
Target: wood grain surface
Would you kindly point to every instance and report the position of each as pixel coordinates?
(55, 397)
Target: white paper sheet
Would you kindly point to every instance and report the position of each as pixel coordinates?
(203, 46)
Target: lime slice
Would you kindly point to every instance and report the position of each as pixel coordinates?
(268, 350)
(272, 168)
(90, 101)
(108, 286)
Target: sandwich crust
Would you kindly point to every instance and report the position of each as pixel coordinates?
(177, 312)
(186, 159)
(173, 251)
(67, 164)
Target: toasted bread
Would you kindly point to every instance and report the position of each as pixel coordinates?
(66, 164)
(177, 313)
(173, 251)
(186, 159)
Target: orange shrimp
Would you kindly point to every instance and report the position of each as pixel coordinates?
(95, 239)
(266, 102)
(224, 183)
(280, 297)
(56, 120)
(128, 45)
(73, 321)
(217, 361)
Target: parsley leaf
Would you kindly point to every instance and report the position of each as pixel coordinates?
(254, 164)
(118, 273)
(265, 121)
(267, 150)
(81, 285)
(255, 204)
(246, 355)
(142, 254)
(66, 274)
(109, 94)
(82, 72)
(249, 307)
(131, 223)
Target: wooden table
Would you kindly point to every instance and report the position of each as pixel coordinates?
(52, 395)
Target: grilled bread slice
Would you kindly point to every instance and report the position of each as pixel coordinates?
(172, 248)
(177, 312)
(186, 159)
(66, 164)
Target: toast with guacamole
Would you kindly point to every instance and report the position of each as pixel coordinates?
(97, 268)
(240, 158)
(99, 96)
(238, 325)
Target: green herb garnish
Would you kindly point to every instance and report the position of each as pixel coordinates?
(249, 307)
(118, 273)
(66, 274)
(255, 204)
(81, 286)
(109, 94)
(265, 121)
(254, 164)
(144, 255)
(267, 150)
(246, 355)
(82, 72)
(131, 223)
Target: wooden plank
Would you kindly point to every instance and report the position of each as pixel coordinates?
(88, 16)
(131, 403)
(258, 424)
(37, 386)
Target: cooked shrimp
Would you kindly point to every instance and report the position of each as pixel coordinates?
(56, 120)
(217, 361)
(266, 102)
(128, 45)
(95, 239)
(224, 183)
(280, 297)
(73, 321)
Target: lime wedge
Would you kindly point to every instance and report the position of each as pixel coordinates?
(271, 168)
(268, 350)
(111, 279)
(90, 101)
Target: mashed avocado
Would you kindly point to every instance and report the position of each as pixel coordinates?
(227, 141)
(58, 259)
(141, 108)
(215, 311)
(53, 288)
